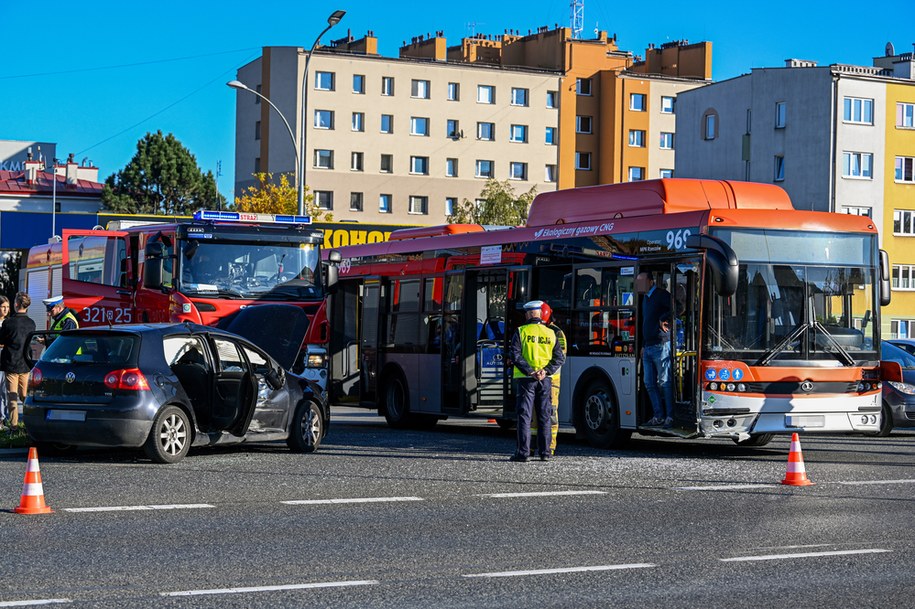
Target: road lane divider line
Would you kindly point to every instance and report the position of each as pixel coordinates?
(863, 482)
(725, 487)
(803, 555)
(251, 589)
(141, 508)
(638, 565)
(351, 500)
(36, 602)
(541, 494)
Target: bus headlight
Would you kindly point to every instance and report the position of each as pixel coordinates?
(741, 387)
(713, 386)
(731, 386)
(905, 388)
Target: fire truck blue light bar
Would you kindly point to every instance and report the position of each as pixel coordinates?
(235, 216)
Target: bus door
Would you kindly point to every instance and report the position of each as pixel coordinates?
(456, 366)
(370, 341)
(344, 342)
(685, 338)
(97, 277)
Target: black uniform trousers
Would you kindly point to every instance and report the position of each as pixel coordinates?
(533, 399)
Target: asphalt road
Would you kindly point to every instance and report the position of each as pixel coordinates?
(440, 518)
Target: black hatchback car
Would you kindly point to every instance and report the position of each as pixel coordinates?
(167, 387)
(898, 396)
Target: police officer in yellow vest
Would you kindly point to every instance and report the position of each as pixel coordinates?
(537, 355)
(62, 318)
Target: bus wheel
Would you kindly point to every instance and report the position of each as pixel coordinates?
(756, 439)
(599, 416)
(396, 401)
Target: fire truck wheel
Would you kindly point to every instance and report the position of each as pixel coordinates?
(396, 401)
(170, 437)
(599, 416)
(756, 439)
(306, 428)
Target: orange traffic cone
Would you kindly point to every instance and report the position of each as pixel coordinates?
(796, 474)
(32, 501)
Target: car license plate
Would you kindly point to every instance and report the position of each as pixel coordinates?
(805, 421)
(66, 415)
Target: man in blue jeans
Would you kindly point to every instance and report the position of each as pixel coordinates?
(655, 328)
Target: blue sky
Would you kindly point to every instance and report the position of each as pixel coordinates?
(95, 77)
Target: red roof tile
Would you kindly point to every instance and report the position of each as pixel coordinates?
(14, 182)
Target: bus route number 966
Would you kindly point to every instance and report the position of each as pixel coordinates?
(676, 240)
(105, 315)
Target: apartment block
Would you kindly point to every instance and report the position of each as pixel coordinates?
(837, 138)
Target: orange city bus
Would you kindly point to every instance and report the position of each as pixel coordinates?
(777, 313)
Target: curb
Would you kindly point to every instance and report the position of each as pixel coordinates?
(14, 451)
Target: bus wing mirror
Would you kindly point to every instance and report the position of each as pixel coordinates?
(334, 256)
(721, 259)
(333, 273)
(885, 291)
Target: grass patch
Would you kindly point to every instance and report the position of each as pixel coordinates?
(14, 438)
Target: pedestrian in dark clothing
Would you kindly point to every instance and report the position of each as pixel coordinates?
(655, 327)
(14, 336)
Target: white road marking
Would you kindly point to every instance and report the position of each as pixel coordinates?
(341, 584)
(139, 508)
(638, 565)
(542, 494)
(352, 500)
(863, 482)
(803, 555)
(724, 487)
(43, 601)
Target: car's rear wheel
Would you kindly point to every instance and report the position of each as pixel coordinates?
(306, 428)
(886, 421)
(170, 437)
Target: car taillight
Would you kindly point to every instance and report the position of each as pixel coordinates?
(130, 379)
(35, 377)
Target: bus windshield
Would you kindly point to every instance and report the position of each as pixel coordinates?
(237, 269)
(801, 296)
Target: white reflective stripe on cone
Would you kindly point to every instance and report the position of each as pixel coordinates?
(32, 466)
(796, 467)
(32, 489)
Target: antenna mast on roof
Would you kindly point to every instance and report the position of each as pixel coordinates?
(577, 17)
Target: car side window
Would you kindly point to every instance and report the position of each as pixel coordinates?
(258, 360)
(230, 359)
(183, 351)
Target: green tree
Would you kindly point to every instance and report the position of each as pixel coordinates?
(161, 178)
(271, 197)
(499, 205)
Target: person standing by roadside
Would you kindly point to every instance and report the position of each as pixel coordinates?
(536, 355)
(546, 314)
(14, 336)
(62, 317)
(4, 398)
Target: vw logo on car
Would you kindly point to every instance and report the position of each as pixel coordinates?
(70, 377)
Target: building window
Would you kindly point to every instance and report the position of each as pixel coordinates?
(384, 204)
(324, 159)
(486, 94)
(453, 128)
(858, 110)
(485, 169)
(637, 102)
(451, 168)
(324, 119)
(519, 134)
(550, 136)
(904, 222)
(667, 104)
(552, 99)
(324, 199)
(857, 210)
(583, 161)
(355, 201)
(359, 84)
(257, 130)
(902, 328)
(517, 171)
(418, 205)
(519, 96)
(358, 121)
(450, 204)
(781, 114)
(387, 85)
(666, 173)
(583, 86)
(710, 125)
(636, 174)
(257, 100)
(419, 89)
(904, 169)
(779, 172)
(257, 165)
(549, 173)
(857, 165)
(667, 140)
(387, 163)
(419, 165)
(356, 161)
(486, 131)
(387, 123)
(454, 91)
(583, 124)
(324, 81)
(903, 277)
(637, 138)
(905, 115)
(419, 126)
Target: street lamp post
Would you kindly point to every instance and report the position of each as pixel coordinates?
(237, 84)
(333, 20)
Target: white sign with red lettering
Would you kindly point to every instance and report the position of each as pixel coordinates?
(491, 254)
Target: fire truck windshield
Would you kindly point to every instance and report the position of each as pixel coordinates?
(255, 270)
